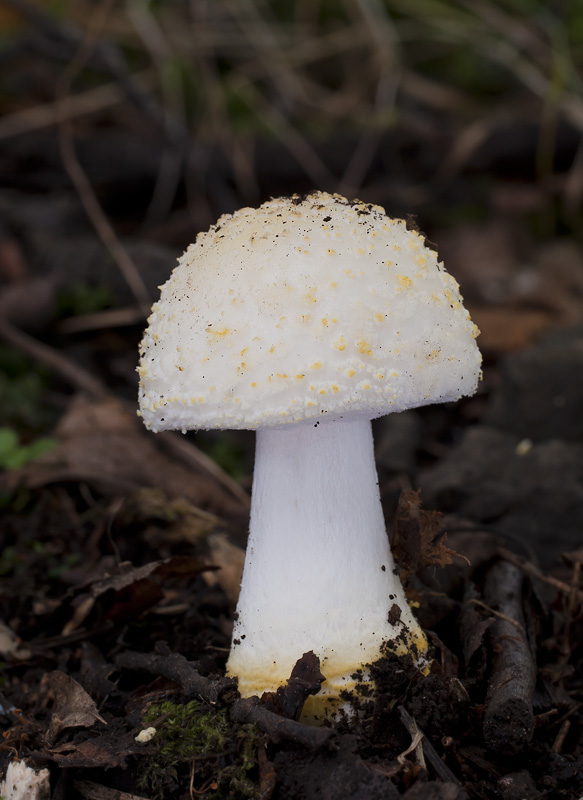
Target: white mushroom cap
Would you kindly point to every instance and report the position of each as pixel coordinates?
(300, 308)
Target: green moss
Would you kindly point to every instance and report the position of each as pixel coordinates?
(14, 454)
(196, 737)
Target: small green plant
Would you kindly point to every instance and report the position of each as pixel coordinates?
(34, 554)
(198, 743)
(14, 454)
(229, 452)
(85, 298)
(9, 560)
(22, 393)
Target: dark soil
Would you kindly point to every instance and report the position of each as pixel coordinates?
(76, 609)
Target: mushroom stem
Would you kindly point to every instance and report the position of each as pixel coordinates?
(319, 574)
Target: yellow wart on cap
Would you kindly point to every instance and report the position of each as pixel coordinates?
(364, 347)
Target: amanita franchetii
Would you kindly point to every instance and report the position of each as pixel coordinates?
(305, 319)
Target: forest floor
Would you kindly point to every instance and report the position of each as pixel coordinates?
(121, 552)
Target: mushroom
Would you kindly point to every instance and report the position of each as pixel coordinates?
(304, 319)
(23, 783)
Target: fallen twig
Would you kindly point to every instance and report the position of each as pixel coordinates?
(508, 717)
(561, 736)
(108, 318)
(77, 376)
(277, 728)
(430, 754)
(531, 569)
(104, 57)
(192, 455)
(89, 101)
(416, 735)
(247, 710)
(177, 669)
(76, 173)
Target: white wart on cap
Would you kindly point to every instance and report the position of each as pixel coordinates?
(302, 308)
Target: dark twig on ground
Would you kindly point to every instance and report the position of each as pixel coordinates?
(530, 569)
(431, 755)
(278, 728)
(76, 375)
(249, 710)
(177, 669)
(508, 717)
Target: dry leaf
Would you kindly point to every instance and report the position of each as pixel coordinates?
(102, 443)
(73, 708)
(229, 560)
(107, 752)
(130, 592)
(418, 536)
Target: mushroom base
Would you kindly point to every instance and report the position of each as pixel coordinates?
(319, 573)
(335, 692)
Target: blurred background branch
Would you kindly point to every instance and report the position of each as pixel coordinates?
(347, 90)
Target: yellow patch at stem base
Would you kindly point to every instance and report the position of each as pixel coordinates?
(340, 682)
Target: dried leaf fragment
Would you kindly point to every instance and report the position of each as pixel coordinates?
(418, 536)
(73, 708)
